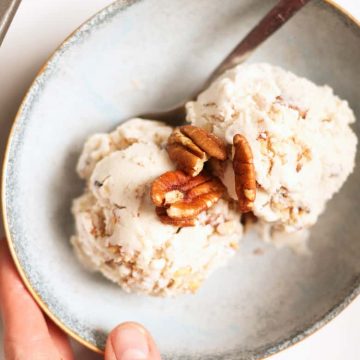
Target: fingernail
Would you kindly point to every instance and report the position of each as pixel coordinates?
(130, 343)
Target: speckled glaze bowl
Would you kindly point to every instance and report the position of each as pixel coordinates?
(137, 56)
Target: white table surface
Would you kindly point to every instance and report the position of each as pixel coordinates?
(38, 28)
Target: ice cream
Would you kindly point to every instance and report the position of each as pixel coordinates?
(299, 134)
(293, 149)
(117, 230)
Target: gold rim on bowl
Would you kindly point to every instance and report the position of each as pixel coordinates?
(282, 345)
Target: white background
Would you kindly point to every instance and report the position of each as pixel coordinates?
(38, 28)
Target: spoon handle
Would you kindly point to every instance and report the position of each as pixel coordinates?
(7, 12)
(271, 22)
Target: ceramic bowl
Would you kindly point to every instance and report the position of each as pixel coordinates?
(137, 56)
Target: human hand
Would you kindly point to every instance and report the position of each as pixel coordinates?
(29, 335)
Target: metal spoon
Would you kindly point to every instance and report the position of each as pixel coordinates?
(271, 22)
(7, 12)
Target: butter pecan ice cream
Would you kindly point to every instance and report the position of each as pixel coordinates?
(117, 229)
(303, 147)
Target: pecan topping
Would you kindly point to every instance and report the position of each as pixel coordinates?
(166, 185)
(190, 147)
(166, 219)
(245, 182)
(197, 199)
(208, 142)
(180, 198)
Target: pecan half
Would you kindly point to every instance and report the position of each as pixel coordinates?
(208, 142)
(245, 181)
(197, 199)
(166, 219)
(190, 147)
(179, 196)
(164, 188)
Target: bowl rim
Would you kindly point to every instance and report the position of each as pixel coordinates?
(351, 293)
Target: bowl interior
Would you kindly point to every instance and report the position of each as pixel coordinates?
(137, 56)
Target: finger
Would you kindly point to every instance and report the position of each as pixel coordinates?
(130, 341)
(60, 341)
(154, 351)
(26, 334)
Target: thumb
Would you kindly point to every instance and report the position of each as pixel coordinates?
(130, 341)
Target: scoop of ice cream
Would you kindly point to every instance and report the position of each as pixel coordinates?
(118, 231)
(100, 145)
(299, 134)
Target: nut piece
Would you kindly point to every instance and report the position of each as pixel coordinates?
(166, 188)
(245, 182)
(197, 199)
(208, 142)
(180, 198)
(189, 147)
(186, 160)
(166, 219)
(302, 112)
